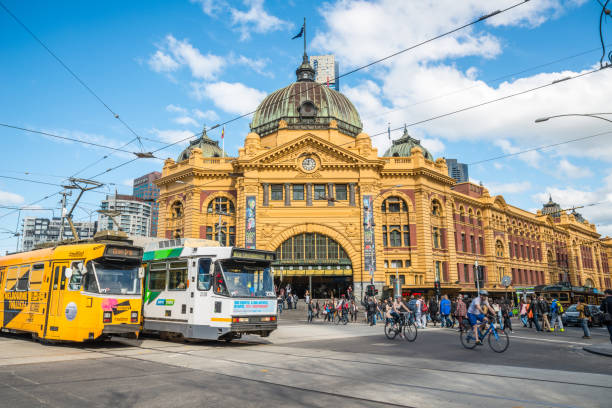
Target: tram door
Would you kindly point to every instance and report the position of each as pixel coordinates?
(57, 284)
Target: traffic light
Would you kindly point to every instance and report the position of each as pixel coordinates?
(437, 288)
(479, 272)
(371, 290)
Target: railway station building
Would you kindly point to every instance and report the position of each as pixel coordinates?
(309, 185)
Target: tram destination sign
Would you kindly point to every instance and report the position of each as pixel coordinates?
(129, 252)
(259, 255)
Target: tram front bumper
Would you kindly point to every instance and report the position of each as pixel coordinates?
(122, 328)
(253, 327)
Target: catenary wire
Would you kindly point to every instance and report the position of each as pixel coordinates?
(74, 75)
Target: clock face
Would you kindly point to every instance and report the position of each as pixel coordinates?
(309, 164)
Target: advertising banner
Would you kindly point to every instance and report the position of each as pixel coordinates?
(369, 251)
(249, 232)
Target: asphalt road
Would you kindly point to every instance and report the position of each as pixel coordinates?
(317, 365)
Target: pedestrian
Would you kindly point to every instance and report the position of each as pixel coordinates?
(307, 297)
(460, 311)
(534, 313)
(584, 317)
(422, 312)
(453, 314)
(295, 300)
(506, 309)
(279, 302)
(289, 300)
(310, 311)
(317, 309)
(606, 308)
(445, 310)
(433, 310)
(556, 310)
(353, 310)
(523, 311)
(545, 309)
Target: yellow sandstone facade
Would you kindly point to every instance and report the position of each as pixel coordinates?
(309, 185)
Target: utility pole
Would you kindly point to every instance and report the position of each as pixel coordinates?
(61, 231)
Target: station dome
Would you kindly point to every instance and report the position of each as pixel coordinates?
(306, 104)
(401, 147)
(209, 147)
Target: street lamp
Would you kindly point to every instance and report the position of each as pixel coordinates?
(588, 115)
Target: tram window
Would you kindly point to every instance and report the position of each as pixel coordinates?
(77, 276)
(11, 278)
(564, 297)
(219, 282)
(204, 276)
(178, 276)
(157, 276)
(36, 276)
(90, 284)
(24, 275)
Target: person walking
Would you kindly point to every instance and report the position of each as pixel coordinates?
(424, 312)
(533, 314)
(317, 309)
(353, 310)
(606, 308)
(544, 309)
(460, 312)
(453, 315)
(556, 309)
(506, 307)
(523, 312)
(310, 310)
(584, 317)
(307, 297)
(445, 311)
(433, 310)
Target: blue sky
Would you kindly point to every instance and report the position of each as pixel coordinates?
(168, 68)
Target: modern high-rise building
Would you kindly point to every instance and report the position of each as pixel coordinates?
(145, 189)
(326, 70)
(40, 230)
(458, 171)
(131, 213)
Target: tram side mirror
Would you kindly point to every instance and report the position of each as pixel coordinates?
(68, 273)
(141, 272)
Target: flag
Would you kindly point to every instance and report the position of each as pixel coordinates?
(223, 132)
(298, 35)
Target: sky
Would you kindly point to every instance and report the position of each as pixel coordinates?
(170, 68)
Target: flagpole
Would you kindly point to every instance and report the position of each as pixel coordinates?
(223, 141)
(304, 35)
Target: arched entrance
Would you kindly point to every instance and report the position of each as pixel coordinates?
(313, 261)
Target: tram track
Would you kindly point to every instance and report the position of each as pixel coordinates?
(267, 367)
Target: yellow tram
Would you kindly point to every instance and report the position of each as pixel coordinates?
(73, 292)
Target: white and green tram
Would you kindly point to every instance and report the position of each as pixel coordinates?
(208, 292)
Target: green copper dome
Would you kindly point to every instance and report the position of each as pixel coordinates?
(402, 146)
(306, 104)
(209, 147)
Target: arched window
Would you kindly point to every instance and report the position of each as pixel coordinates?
(499, 249)
(395, 226)
(436, 208)
(470, 216)
(221, 205)
(589, 283)
(461, 214)
(177, 209)
(311, 248)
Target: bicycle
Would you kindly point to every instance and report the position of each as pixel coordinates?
(498, 340)
(341, 317)
(403, 325)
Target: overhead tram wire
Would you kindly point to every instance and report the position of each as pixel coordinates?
(493, 80)
(555, 82)
(74, 75)
(412, 47)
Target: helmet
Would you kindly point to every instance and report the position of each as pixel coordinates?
(483, 293)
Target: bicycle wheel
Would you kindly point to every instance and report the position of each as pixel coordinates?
(467, 339)
(337, 318)
(390, 330)
(410, 332)
(499, 341)
(345, 320)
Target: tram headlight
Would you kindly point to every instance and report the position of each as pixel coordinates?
(134, 317)
(107, 317)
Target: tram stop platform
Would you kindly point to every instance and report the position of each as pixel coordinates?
(601, 349)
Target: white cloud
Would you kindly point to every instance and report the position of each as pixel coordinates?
(568, 170)
(160, 62)
(434, 146)
(211, 7)
(173, 53)
(173, 135)
(185, 120)
(8, 198)
(176, 109)
(256, 19)
(508, 188)
(234, 97)
(207, 115)
(256, 64)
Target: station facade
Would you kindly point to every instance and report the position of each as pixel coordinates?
(309, 185)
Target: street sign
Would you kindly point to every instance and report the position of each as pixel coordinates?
(506, 281)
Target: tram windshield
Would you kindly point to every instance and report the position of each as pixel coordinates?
(114, 278)
(248, 279)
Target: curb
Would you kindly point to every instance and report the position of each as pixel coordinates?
(599, 350)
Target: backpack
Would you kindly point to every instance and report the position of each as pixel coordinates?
(424, 308)
(559, 308)
(412, 305)
(586, 311)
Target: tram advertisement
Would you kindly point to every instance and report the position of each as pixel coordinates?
(254, 306)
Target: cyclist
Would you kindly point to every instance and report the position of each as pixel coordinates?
(476, 313)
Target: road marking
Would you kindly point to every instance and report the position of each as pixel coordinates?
(551, 340)
(384, 344)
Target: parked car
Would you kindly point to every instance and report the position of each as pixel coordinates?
(570, 317)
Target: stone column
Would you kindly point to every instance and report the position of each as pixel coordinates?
(352, 194)
(330, 194)
(309, 194)
(287, 194)
(266, 194)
